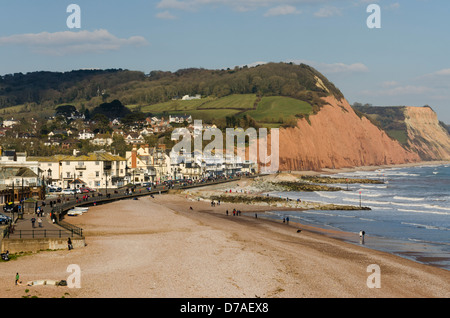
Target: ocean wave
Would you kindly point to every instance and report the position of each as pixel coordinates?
(366, 201)
(328, 196)
(424, 212)
(426, 226)
(374, 186)
(408, 198)
(431, 206)
(424, 205)
(372, 195)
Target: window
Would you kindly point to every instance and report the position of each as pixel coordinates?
(97, 173)
(68, 174)
(67, 163)
(81, 174)
(97, 163)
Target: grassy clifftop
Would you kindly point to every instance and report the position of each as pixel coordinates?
(389, 118)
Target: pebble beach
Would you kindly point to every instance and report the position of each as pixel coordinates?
(178, 246)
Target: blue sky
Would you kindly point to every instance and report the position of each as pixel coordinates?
(405, 62)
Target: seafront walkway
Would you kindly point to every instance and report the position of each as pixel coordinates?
(52, 223)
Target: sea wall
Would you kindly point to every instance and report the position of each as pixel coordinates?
(39, 244)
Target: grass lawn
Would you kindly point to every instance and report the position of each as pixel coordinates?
(236, 101)
(175, 105)
(270, 109)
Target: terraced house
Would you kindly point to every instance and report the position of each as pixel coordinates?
(99, 169)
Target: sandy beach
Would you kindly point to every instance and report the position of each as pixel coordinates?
(161, 248)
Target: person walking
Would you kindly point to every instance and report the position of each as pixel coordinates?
(33, 220)
(40, 222)
(69, 244)
(17, 278)
(361, 236)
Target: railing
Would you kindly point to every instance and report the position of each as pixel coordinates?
(75, 230)
(44, 233)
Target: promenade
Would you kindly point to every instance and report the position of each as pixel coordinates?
(53, 221)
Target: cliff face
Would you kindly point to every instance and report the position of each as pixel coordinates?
(425, 135)
(336, 137)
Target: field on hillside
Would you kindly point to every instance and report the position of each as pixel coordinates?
(269, 111)
(273, 108)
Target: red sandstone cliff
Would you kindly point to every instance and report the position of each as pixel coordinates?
(336, 138)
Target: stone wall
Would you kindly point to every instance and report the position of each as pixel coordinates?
(39, 244)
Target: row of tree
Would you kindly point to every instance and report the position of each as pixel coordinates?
(132, 87)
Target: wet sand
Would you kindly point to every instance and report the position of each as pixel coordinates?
(160, 248)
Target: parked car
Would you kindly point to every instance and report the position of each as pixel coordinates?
(68, 191)
(8, 208)
(84, 190)
(4, 219)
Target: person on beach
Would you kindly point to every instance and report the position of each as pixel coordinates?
(69, 244)
(361, 236)
(287, 220)
(17, 278)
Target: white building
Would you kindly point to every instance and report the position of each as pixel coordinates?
(84, 135)
(99, 169)
(10, 122)
(187, 97)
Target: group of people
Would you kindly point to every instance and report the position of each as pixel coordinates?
(235, 212)
(33, 221)
(213, 203)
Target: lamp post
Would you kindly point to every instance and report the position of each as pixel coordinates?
(106, 181)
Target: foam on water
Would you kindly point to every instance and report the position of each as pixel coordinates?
(412, 206)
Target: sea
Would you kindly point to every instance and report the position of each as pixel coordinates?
(409, 216)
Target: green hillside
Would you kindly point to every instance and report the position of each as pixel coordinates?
(269, 95)
(271, 111)
(389, 118)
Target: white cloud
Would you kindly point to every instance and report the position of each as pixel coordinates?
(392, 6)
(282, 10)
(72, 42)
(237, 5)
(404, 90)
(333, 68)
(388, 84)
(443, 72)
(328, 11)
(165, 15)
(325, 68)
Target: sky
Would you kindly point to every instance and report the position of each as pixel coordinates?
(406, 61)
